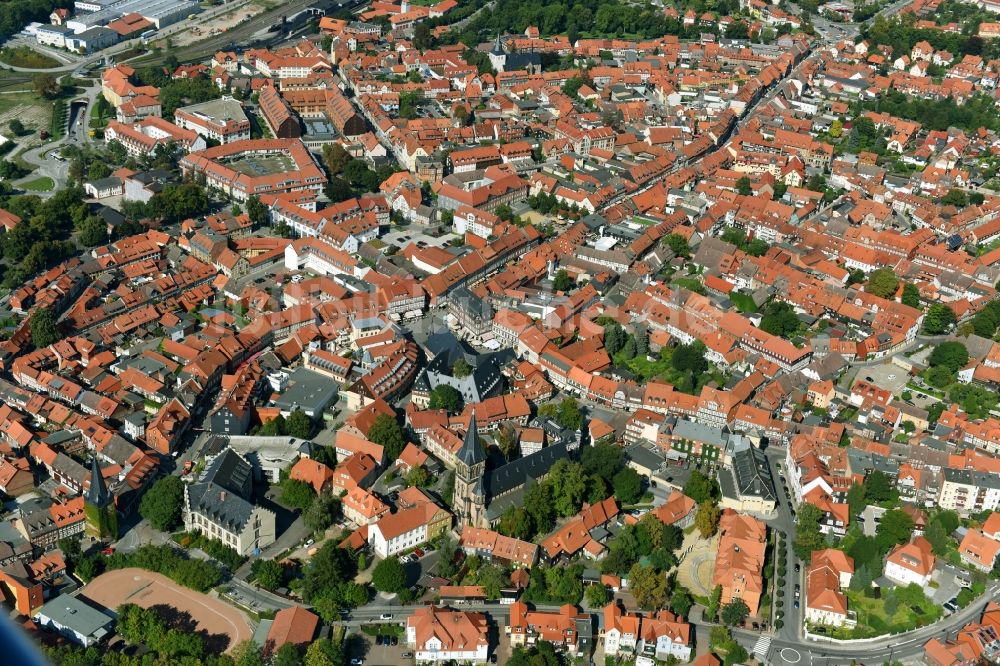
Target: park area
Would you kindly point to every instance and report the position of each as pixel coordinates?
(221, 625)
(899, 609)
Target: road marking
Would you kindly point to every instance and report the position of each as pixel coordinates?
(790, 655)
(762, 646)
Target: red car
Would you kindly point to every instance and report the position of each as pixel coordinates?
(108, 551)
(418, 552)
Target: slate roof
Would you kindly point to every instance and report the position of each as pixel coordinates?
(224, 493)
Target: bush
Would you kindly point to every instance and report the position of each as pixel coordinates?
(214, 548)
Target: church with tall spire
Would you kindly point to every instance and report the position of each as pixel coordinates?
(99, 507)
(470, 492)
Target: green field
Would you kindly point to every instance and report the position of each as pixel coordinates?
(42, 184)
(23, 56)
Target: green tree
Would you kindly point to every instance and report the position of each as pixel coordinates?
(735, 612)
(678, 244)
(690, 358)
(700, 488)
(744, 186)
(649, 586)
(951, 355)
(506, 440)
(418, 477)
(707, 518)
(569, 415)
(298, 424)
(878, 486)
(93, 231)
(856, 499)
(269, 574)
(16, 127)
(681, 601)
(883, 283)
(955, 197)
(862, 578)
(911, 295)
(780, 319)
(896, 528)
(447, 398)
(386, 432)
(162, 503)
(324, 652)
(389, 576)
(287, 655)
(247, 653)
(937, 537)
(562, 280)
(461, 368)
(604, 460)
(46, 85)
(324, 510)
(43, 328)
(628, 486)
(808, 537)
(297, 494)
(939, 319)
(614, 338)
(256, 211)
(492, 578)
(712, 609)
(569, 485)
(597, 596)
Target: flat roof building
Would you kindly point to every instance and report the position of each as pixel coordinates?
(309, 391)
(220, 119)
(75, 620)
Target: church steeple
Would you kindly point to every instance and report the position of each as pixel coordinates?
(470, 466)
(99, 510)
(97, 494)
(497, 46)
(471, 453)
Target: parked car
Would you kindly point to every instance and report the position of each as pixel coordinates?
(407, 655)
(357, 661)
(395, 640)
(385, 616)
(418, 552)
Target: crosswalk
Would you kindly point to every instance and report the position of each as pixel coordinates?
(761, 647)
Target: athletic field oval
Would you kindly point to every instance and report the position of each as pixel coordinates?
(146, 589)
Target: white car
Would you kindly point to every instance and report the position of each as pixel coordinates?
(385, 616)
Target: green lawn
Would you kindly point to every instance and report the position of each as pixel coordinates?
(21, 99)
(23, 56)
(913, 610)
(691, 284)
(42, 184)
(743, 302)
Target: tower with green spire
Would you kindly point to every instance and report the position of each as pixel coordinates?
(99, 507)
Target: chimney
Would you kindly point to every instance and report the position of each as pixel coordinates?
(222, 496)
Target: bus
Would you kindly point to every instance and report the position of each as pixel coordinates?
(146, 36)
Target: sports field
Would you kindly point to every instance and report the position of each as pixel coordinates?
(148, 589)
